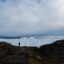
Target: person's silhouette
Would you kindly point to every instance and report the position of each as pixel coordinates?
(19, 44)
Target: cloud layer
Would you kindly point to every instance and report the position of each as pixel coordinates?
(27, 17)
(32, 41)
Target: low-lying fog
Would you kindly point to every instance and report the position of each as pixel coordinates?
(34, 41)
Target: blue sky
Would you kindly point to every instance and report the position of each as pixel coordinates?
(2, 0)
(31, 17)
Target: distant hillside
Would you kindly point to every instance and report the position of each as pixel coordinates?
(46, 54)
(7, 37)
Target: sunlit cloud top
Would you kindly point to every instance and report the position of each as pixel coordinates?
(31, 17)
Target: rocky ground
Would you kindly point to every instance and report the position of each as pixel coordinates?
(46, 54)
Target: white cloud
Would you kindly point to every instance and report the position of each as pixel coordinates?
(31, 16)
(32, 41)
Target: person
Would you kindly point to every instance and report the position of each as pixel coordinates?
(19, 44)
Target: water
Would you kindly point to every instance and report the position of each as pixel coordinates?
(34, 41)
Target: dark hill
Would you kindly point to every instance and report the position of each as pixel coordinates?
(47, 54)
(53, 52)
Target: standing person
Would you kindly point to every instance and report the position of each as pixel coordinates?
(19, 44)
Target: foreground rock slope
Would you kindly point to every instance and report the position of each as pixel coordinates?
(46, 54)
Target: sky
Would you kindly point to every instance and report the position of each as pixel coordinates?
(31, 17)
